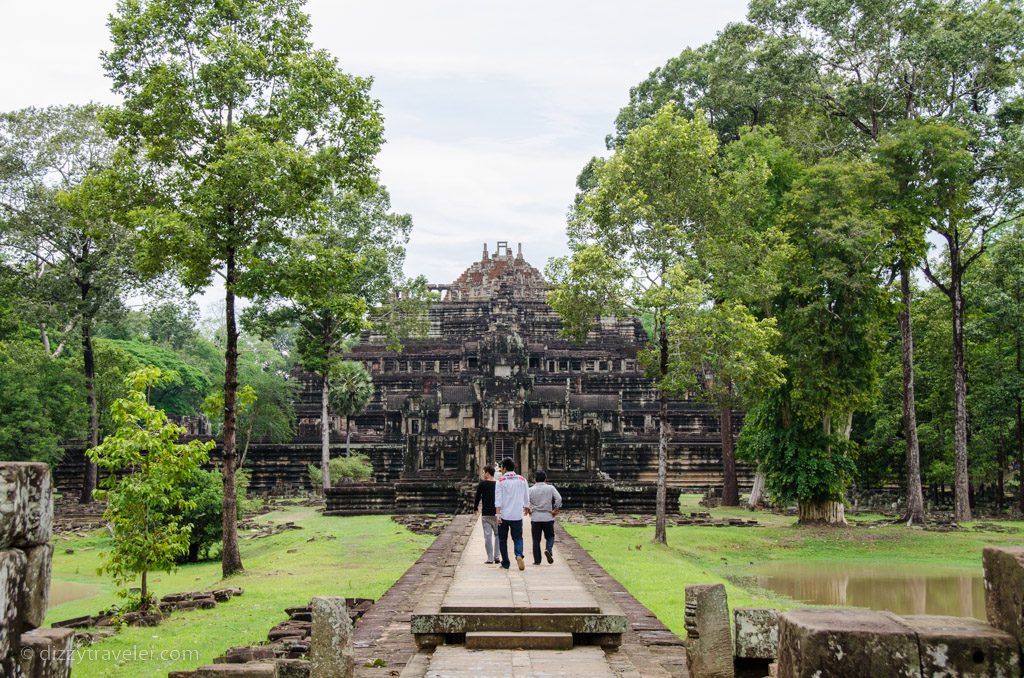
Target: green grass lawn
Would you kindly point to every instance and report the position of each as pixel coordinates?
(657, 575)
(366, 555)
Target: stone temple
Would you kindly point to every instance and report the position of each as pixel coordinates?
(494, 378)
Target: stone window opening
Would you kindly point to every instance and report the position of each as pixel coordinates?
(502, 419)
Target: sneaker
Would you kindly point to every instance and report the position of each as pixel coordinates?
(551, 558)
(519, 561)
(496, 561)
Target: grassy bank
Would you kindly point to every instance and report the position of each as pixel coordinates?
(657, 574)
(356, 556)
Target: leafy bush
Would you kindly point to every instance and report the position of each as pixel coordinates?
(357, 467)
(206, 491)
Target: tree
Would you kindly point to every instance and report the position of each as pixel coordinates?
(953, 185)
(639, 220)
(58, 202)
(876, 63)
(829, 311)
(250, 129)
(144, 488)
(999, 290)
(266, 398)
(725, 354)
(338, 280)
(40, 402)
(351, 391)
(744, 78)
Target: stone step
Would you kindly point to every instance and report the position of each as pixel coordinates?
(511, 640)
(522, 609)
(465, 622)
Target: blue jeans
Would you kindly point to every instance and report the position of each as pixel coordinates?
(516, 526)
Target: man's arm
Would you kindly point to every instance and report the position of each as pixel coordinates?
(497, 500)
(479, 496)
(557, 498)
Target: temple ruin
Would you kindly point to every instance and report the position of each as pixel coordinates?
(494, 378)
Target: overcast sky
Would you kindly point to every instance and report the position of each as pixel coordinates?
(491, 109)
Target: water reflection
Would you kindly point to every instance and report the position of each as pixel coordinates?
(879, 588)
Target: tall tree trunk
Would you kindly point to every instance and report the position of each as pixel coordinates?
(348, 436)
(730, 489)
(145, 591)
(325, 436)
(1019, 434)
(915, 494)
(89, 359)
(757, 491)
(1000, 474)
(961, 496)
(231, 557)
(660, 534)
(822, 513)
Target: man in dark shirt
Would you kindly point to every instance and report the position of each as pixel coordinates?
(485, 494)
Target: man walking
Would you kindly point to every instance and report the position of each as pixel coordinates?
(485, 495)
(544, 504)
(511, 500)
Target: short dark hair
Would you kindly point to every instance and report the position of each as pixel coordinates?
(541, 476)
(507, 464)
(489, 470)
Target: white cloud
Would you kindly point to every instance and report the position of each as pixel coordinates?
(491, 108)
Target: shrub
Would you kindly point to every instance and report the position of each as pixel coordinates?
(206, 491)
(357, 467)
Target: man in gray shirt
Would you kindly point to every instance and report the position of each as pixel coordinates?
(544, 504)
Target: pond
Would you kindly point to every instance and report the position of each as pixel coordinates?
(65, 591)
(901, 589)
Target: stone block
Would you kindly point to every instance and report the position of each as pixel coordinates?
(1004, 589)
(12, 579)
(330, 648)
(757, 632)
(846, 642)
(26, 504)
(252, 670)
(36, 592)
(962, 647)
(47, 653)
(708, 635)
(293, 668)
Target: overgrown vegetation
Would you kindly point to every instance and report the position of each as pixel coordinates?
(355, 467)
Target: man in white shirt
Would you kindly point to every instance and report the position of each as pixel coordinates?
(511, 501)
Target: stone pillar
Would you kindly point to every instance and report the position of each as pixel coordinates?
(26, 524)
(330, 648)
(708, 637)
(1004, 589)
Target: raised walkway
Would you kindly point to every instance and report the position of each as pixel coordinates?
(469, 618)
